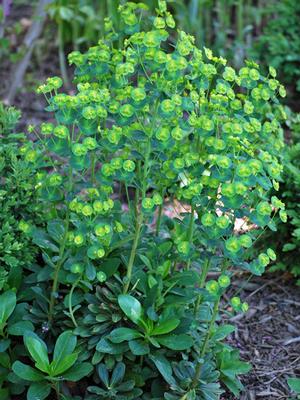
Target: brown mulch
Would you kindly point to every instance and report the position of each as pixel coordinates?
(268, 336)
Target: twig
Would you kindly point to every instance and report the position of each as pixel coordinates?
(263, 286)
(292, 340)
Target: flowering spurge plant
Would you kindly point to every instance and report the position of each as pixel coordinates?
(154, 121)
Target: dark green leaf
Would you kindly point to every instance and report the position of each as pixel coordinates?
(56, 230)
(223, 331)
(131, 307)
(139, 347)
(26, 372)
(106, 347)
(233, 384)
(64, 346)
(294, 384)
(165, 326)
(118, 374)
(38, 351)
(146, 261)
(5, 360)
(110, 266)
(19, 328)
(66, 363)
(176, 342)
(165, 247)
(77, 372)
(8, 303)
(38, 391)
(4, 345)
(43, 240)
(120, 335)
(164, 367)
(103, 374)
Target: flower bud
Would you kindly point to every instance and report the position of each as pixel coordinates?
(183, 247)
(212, 287)
(129, 165)
(77, 268)
(101, 276)
(224, 281)
(233, 244)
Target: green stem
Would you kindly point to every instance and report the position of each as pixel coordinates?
(158, 222)
(70, 301)
(133, 252)
(203, 276)
(204, 273)
(205, 343)
(211, 325)
(93, 167)
(55, 284)
(57, 391)
(136, 201)
(160, 209)
(190, 233)
(139, 218)
(57, 268)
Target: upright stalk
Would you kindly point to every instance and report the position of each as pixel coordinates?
(70, 301)
(139, 218)
(57, 391)
(158, 222)
(205, 343)
(93, 167)
(190, 233)
(133, 251)
(57, 268)
(160, 209)
(55, 284)
(203, 276)
(212, 321)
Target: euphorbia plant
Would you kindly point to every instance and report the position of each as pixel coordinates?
(155, 121)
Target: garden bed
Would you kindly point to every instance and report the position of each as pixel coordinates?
(146, 172)
(268, 336)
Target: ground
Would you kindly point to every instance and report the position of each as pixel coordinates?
(268, 336)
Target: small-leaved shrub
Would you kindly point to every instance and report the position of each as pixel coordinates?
(286, 238)
(18, 200)
(279, 43)
(159, 121)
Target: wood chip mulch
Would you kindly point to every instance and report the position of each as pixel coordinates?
(268, 336)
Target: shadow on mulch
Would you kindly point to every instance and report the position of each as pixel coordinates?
(268, 336)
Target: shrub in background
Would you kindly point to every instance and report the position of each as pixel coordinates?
(161, 121)
(19, 210)
(286, 238)
(279, 44)
(18, 201)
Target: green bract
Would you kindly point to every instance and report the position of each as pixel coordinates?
(154, 123)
